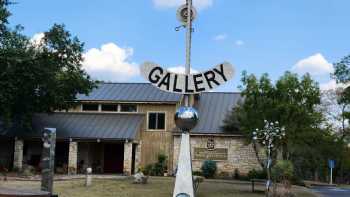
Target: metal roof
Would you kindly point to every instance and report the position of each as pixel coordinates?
(212, 109)
(104, 126)
(129, 92)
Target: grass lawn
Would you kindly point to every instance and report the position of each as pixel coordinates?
(156, 187)
(344, 186)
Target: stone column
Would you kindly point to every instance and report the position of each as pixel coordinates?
(73, 157)
(127, 158)
(137, 157)
(18, 155)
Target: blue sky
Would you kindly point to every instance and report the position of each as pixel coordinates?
(255, 35)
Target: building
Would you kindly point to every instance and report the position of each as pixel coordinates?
(120, 127)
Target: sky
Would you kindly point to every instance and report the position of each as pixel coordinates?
(259, 36)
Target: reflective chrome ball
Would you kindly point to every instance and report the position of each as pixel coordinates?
(186, 118)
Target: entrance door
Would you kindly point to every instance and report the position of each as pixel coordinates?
(113, 158)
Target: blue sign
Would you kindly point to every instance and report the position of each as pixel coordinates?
(331, 163)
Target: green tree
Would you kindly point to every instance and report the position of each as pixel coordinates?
(38, 77)
(290, 101)
(342, 76)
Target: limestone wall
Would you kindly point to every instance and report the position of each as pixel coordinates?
(239, 155)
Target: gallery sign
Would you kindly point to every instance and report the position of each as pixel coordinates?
(187, 84)
(218, 154)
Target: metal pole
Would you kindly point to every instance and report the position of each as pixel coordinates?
(268, 170)
(331, 180)
(188, 46)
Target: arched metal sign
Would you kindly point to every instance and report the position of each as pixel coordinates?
(187, 84)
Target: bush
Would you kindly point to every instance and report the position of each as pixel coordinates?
(257, 174)
(197, 173)
(156, 169)
(209, 168)
(236, 174)
(147, 170)
(283, 170)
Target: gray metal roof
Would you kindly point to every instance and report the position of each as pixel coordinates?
(213, 108)
(86, 125)
(133, 92)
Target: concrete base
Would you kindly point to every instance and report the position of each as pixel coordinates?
(184, 179)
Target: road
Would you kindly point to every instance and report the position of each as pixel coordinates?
(332, 191)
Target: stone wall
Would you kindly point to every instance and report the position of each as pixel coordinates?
(239, 155)
(137, 157)
(127, 158)
(73, 157)
(18, 155)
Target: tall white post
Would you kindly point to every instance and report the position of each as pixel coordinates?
(184, 180)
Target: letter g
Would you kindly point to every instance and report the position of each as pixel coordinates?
(154, 78)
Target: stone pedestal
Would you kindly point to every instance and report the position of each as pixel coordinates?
(88, 178)
(127, 158)
(18, 155)
(73, 158)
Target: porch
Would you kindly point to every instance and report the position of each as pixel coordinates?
(105, 142)
(73, 157)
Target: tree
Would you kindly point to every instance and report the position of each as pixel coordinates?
(342, 76)
(38, 77)
(342, 97)
(292, 101)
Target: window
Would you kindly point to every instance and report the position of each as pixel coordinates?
(109, 107)
(90, 107)
(128, 108)
(156, 120)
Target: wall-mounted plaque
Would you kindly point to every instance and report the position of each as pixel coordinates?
(205, 154)
(210, 144)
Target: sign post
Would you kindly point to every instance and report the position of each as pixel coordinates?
(186, 117)
(331, 165)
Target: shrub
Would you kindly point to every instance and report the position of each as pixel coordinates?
(236, 174)
(197, 173)
(209, 168)
(157, 169)
(257, 174)
(28, 171)
(148, 169)
(283, 170)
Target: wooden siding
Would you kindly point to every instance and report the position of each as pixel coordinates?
(153, 142)
(157, 142)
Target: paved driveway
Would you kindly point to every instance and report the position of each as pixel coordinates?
(332, 191)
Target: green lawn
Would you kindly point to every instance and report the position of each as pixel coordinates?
(157, 187)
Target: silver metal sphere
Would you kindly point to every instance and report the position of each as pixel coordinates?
(186, 118)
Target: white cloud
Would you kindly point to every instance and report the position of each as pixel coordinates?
(37, 39)
(330, 85)
(239, 42)
(315, 65)
(181, 70)
(198, 4)
(110, 63)
(220, 37)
